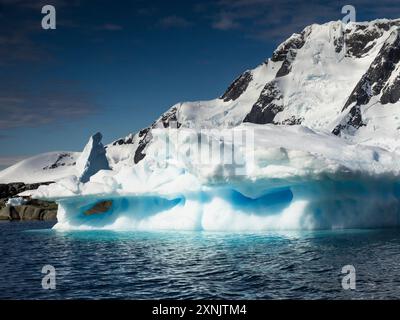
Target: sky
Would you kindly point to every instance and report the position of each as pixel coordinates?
(116, 66)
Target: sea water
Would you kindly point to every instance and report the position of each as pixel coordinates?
(194, 265)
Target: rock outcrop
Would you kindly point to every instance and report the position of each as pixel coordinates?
(31, 209)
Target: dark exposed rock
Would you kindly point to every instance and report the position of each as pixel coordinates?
(285, 68)
(357, 39)
(353, 120)
(267, 106)
(238, 86)
(31, 210)
(356, 42)
(338, 42)
(139, 153)
(372, 82)
(143, 132)
(293, 43)
(362, 93)
(168, 119)
(291, 121)
(127, 140)
(287, 53)
(391, 93)
(60, 162)
(12, 189)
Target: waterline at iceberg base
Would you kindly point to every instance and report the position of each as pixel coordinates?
(313, 205)
(293, 178)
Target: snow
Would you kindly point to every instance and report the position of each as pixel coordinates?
(45, 167)
(53, 166)
(286, 178)
(218, 113)
(13, 202)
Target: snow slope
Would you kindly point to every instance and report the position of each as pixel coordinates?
(53, 166)
(45, 167)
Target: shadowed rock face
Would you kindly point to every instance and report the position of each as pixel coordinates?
(356, 42)
(12, 189)
(168, 119)
(293, 43)
(377, 74)
(353, 120)
(268, 105)
(391, 93)
(145, 138)
(371, 84)
(361, 39)
(287, 53)
(239, 86)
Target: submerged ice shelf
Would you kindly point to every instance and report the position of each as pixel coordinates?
(249, 178)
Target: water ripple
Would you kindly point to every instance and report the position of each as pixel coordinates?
(194, 265)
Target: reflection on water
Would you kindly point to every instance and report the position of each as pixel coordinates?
(154, 265)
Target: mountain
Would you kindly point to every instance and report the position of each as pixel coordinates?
(334, 78)
(342, 79)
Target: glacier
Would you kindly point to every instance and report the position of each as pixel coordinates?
(248, 178)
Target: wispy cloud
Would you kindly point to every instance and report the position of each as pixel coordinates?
(25, 107)
(110, 27)
(35, 4)
(275, 20)
(225, 21)
(175, 22)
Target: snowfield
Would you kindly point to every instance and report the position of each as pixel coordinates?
(45, 167)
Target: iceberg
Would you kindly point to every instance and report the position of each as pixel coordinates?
(92, 159)
(247, 178)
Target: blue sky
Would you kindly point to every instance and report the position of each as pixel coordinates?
(115, 66)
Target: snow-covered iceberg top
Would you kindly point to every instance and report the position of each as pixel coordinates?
(250, 177)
